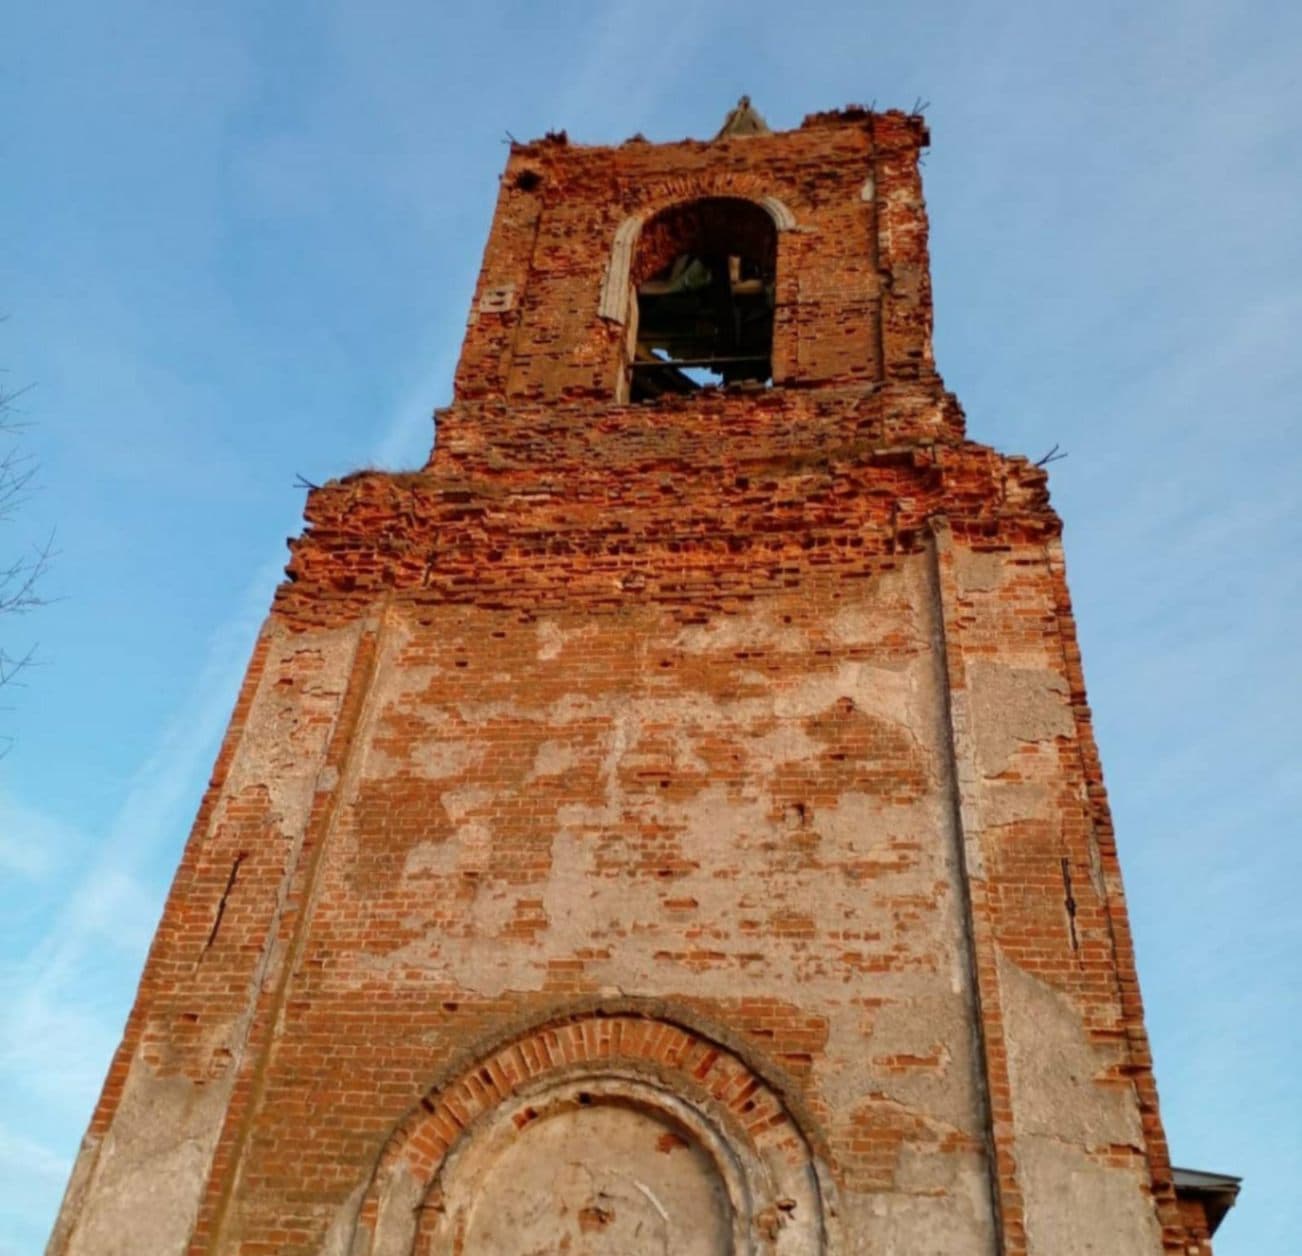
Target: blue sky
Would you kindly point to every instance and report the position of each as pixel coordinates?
(238, 243)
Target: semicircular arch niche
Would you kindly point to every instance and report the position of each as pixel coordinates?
(599, 1136)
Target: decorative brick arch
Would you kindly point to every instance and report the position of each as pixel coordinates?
(773, 1183)
(615, 288)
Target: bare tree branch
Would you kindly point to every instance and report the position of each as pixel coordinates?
(20, 575)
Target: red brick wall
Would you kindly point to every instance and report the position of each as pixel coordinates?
(757, 715)
(853, 298)
(1193, 1216)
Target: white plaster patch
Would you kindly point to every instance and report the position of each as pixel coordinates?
(730, 633)
(290, 720)
(1015, 706)
(787, 743)
(427, 859)
(550, 639)
(553, 758)
(147, 1182)
(881, 691)
(492, 911)
(553, 638)
(458, 803)
(1076, 1206)
(437, 759)
(1055, 1068)
(979, 572)
(1009, 802)
(924, 1222)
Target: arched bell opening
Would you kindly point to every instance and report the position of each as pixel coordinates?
(703, 280)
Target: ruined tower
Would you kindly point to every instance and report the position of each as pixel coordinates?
(669, 821)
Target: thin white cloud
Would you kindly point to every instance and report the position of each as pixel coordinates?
(23, 1157)
(31, 840)
(29, 1170)
(410, 431)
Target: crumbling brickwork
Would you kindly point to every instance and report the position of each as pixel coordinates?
(707, 777)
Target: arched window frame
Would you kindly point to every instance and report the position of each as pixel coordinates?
(618, 304)
(716, 1089)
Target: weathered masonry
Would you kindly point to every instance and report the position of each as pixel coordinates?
(668, 822)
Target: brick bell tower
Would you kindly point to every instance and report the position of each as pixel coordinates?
(668, 822)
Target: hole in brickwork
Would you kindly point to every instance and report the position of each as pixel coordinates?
(704, 277)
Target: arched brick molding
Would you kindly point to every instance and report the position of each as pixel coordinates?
(733, 1156)
(616, 288)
